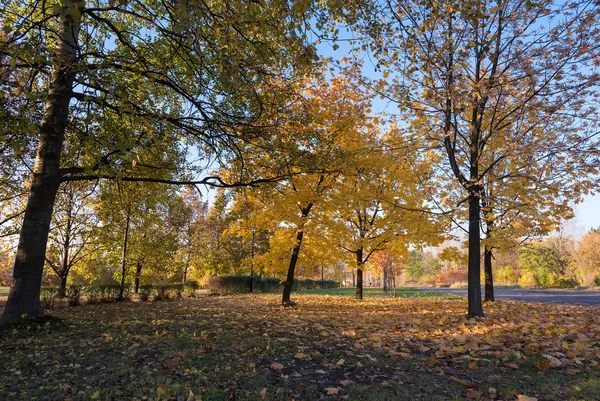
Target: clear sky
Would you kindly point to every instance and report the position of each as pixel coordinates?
(587, 214)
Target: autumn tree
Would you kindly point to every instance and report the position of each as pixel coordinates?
(185, 70)
(587, 258)
(489, 83)
(320, 140)
(71, 231)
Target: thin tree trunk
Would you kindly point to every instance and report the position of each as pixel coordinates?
(474, 269)
(359, 274)
(124, 257)
(138, 273)
(289, 282)
(24, 297)
(62, 289)
(489, 279)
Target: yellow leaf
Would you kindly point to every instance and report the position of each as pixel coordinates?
(160, 391)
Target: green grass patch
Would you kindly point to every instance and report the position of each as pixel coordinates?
(4, 292)
(378, 292)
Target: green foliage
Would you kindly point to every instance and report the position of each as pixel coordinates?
(226, 285)
(597, 281)
(190, 287)
(92, 293)
(73, 293)
(269, 284)
(540, 265)
(421, 265)
(507, 275)
(110, 292)
(48, 296)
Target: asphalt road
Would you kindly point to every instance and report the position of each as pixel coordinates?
(582, 297)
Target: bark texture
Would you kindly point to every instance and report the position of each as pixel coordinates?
(24, 296)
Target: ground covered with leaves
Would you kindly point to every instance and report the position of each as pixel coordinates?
(327, 347)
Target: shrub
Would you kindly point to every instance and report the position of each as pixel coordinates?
(507, 275)
(566, 282)
(268, 284)
(145, 291)
(597, 281)
(190, 287)
(225, 285)
(109, 292)
(92, 293)
(527, 279)
(447, 279)
(73, 293)
(48, 296)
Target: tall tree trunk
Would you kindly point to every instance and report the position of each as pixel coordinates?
(124, 257)
(289, 281)
(24, 297)
(489, 279)
(359, 273)
(138, 273)
(474, 269)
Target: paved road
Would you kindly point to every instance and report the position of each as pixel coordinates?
(558, 296)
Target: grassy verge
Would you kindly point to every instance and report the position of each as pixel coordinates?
(250, 348)
(402, 292)
(4, 292)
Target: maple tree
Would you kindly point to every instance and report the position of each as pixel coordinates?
(175, 70)
(489, 83)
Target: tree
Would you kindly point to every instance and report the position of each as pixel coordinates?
(587, 258)
(320, 141)
(71, 231)
(489, 83)
(189, 69)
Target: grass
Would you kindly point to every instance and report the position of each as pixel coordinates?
(369, 292)
(248, 347)
(4, 292)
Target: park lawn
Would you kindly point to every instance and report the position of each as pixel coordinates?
(248, 347)
(401, 292)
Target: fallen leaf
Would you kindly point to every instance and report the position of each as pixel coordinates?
(263, 393)
(474, 394)
(522, 397)
(572, 371)
(465, 383)
(543, 365)
(332, 390)
(276, 366)
(512, 365)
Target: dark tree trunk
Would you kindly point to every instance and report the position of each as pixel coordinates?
(124, 257)
(289, 281)
(62, 288)
(474, 269)
(489, 278)
(24, 297)
(359, 274)
(138, 273)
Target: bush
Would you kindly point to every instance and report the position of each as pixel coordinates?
(109, 292)
(597, 281)
(507, 275)
(527, 279)
(92, 293)
(190, 287)
(73, 293)
(145, 291)
(226, 285)
(447, 279)
(566, 282)
(48, 296)
(268, 284)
